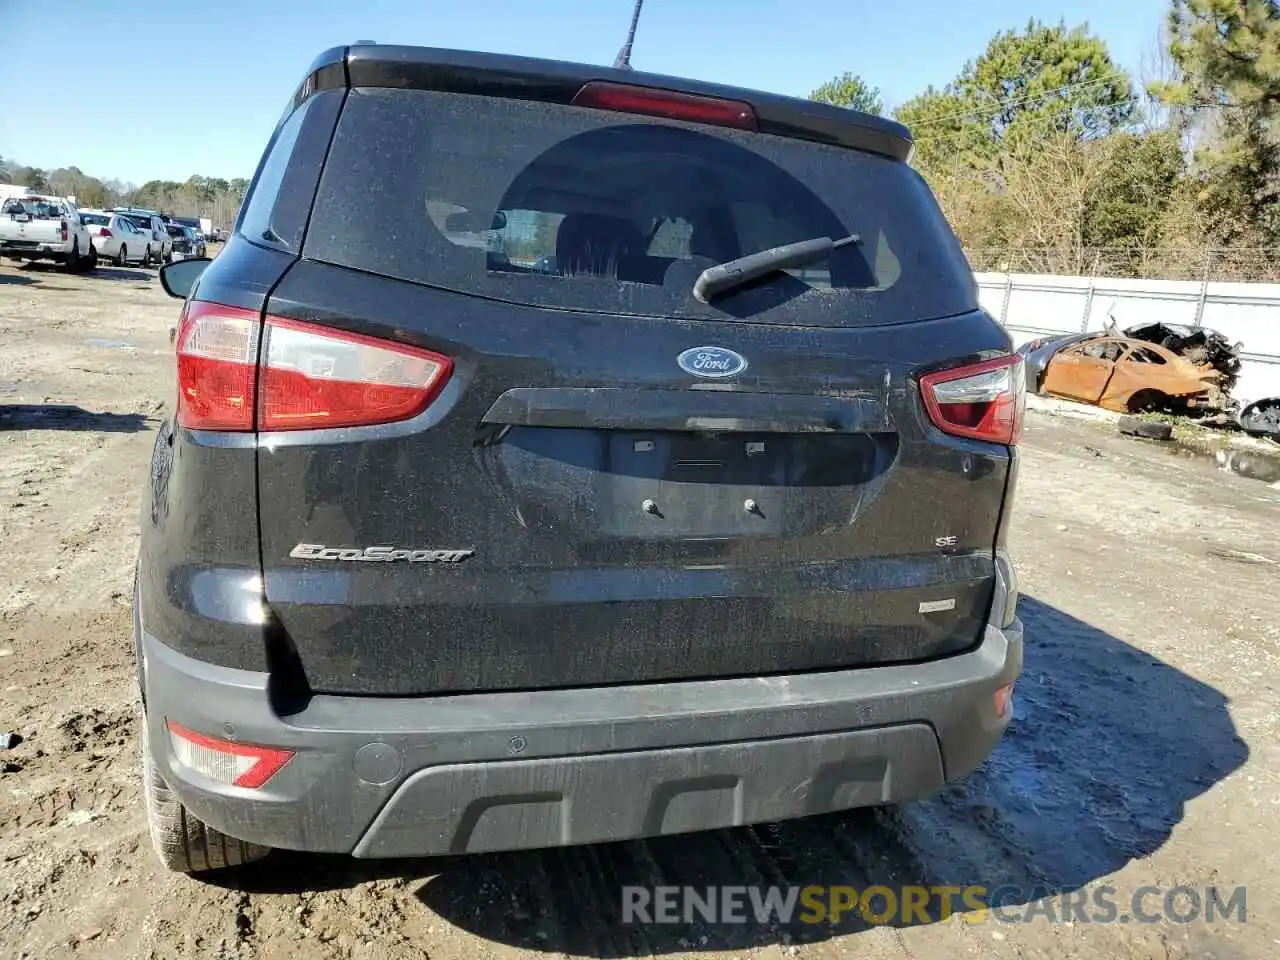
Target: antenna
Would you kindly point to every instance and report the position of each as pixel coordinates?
(623, 61)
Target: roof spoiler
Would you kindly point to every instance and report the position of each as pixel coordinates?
(556, 81)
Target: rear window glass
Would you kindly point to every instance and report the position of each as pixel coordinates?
(567, 207)
(1104, 350)
(39, 208)
(1143, 355)
(94, 219)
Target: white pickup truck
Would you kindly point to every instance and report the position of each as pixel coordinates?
(35, 227)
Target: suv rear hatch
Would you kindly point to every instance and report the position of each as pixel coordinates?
(613, 482)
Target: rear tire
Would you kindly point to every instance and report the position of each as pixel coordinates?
(146, 256)
(72, 263)
(183, 842)
(1262, 419)
(122, 259)
(1147, 429)
(1145, 401)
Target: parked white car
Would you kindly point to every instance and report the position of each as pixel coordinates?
(116, 238)
(37, 227)
(161, 244)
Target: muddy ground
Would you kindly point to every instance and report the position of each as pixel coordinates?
(1145, 748)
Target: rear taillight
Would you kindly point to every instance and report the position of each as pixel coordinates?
(656, 102)
(315, 377)
(310, 377)
(224, 761)
(66, 231)
(217, 355)
(984, 401)
(105, 232)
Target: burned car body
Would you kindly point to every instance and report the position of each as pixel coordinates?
(1211, 382)
(1195, 345)
(1037, 353)
(1130, 375)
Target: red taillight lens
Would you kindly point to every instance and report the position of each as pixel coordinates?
(315, 377)
(985, 401)
(66, 230)
(224, 761)
(217, 356)
(655, 102)
(310, 377)
(105, 232)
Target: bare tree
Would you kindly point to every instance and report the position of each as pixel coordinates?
(1049, 188)
(1157, 70)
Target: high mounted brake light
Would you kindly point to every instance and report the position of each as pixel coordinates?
(304, 377)
(672, 104)
(982, 401)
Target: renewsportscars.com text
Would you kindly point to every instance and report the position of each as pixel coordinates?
(920, 904)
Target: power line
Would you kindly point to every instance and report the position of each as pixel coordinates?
(1036, 121)
(1001, 105)
(1055, 118)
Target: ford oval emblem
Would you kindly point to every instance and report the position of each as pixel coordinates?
(713, 362)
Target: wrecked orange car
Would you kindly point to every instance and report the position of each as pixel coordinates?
(1130, 376)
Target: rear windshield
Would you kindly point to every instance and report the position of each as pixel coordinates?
(94, 219)
(38, 208)
(572, 208)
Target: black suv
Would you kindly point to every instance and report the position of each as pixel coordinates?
(566, 454)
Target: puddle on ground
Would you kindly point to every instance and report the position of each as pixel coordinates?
(1242, 461)
(1249, 463)
(109, 344)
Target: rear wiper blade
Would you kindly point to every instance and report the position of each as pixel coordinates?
(735, 273)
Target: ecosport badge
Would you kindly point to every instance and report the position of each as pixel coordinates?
(318, 551)
(713, 362)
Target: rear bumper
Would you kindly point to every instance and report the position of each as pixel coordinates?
(34, 251)
(384, 777)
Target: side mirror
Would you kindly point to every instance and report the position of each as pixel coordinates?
(179, 277)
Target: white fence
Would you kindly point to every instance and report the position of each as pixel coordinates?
(1033, 305)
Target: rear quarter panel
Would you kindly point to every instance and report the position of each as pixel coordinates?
(199, 566)
(1174, 378)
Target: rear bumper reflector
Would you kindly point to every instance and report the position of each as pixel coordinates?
(224, 761)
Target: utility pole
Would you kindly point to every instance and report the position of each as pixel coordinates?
(623, 60)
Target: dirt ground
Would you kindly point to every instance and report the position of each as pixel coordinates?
(1145, 747)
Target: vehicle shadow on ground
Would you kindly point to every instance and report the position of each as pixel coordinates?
(37, 271)
(18, 280)
(67, 416)
(121, 273)
(1108, 746)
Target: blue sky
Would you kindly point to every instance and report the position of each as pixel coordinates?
(229, 65)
